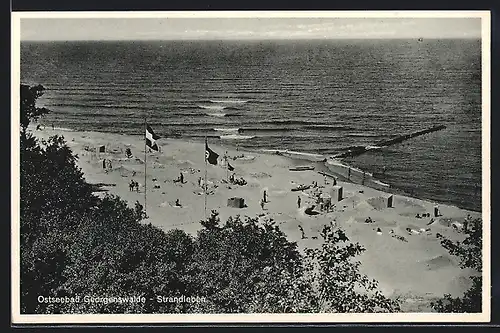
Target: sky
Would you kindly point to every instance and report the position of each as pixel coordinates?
(58, 29)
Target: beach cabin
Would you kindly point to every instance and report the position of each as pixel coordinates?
(390, 201)
(102, 149)
(436, 211)
(336, 193)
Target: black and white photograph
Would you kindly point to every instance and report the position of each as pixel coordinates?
(250, 166)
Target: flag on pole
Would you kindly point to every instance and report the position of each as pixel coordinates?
(229, 167)
(151, 138)
(210, 155)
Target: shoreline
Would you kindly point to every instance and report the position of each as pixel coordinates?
(330, 164)
(294, 160)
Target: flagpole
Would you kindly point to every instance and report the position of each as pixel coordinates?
(205, 182)
(145, 167)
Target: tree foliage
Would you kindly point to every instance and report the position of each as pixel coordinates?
(242, 266)
(28, 108)
(469, 252)
(76, 244)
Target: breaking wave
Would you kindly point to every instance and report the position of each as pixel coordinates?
(236, 137)
(216, 114)
(227, 129)
(229, 101)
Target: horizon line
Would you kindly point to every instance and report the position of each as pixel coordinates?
(249, 39)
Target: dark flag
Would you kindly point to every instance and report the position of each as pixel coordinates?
(210, 155)
(229, 167)
(151, 138)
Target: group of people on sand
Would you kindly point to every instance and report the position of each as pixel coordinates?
(237, 181)
(133, 185)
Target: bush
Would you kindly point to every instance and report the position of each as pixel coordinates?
(235, 265)
(469, 253)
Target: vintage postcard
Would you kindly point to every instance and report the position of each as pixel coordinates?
(250, 167)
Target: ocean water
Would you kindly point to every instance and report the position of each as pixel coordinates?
(307, 96)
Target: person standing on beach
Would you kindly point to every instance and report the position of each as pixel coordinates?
(302, 232)
(468, 219)
(265, 196)
(181, 178)
(298, 201)
(262, 203)
(104, 163)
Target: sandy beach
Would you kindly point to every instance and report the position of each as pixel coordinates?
(402, 251)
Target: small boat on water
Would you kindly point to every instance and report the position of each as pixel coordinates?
(301, 168)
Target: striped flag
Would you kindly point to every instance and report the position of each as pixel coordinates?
(210, 155)
(151, 138)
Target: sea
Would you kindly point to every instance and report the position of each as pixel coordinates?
(310, 96)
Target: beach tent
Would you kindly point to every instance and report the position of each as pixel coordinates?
(102, 149)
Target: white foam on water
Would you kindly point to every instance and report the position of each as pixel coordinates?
(65, 129)
(233, 101)
(216, 114)
(380, 183)
(304, 154)
(212, 107)
(236, 137)
(226, 129)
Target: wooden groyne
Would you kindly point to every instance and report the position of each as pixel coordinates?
(355, 151)
(402, 138)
